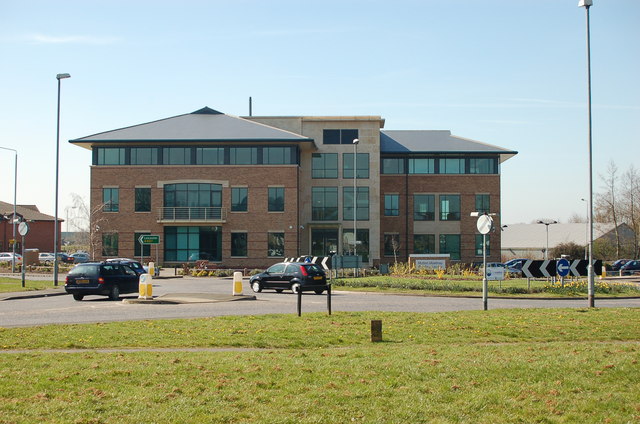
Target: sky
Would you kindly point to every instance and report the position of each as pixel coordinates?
(511, 73)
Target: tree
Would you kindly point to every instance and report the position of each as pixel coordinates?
(92, 223)
(630, 206)
(571, 249)
(607, 206)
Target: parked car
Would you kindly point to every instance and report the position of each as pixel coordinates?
(8, 257)
(101, 278)
(289, 276)
(631, 267)
(46, 258)
(137, 266)
(618, 264)
(64, 258)
(80, 257)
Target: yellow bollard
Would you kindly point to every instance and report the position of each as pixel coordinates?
(145, 287)
(152, 269)
(237, 283)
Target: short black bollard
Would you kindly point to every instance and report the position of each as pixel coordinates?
(376, 330)
(323, 287)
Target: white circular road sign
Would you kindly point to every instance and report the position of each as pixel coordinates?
(484, 224)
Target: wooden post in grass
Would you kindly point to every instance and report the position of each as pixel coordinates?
(376, 330)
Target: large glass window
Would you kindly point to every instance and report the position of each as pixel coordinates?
(482, 203)
(424, 207)
(110, 199)
(275, 244)
(143, 199)
(324, 165)
(362, 164)
(324, 241)
(239, 199)
(391, 244)
(479, 245)
(239, 244)
(188, 244)
(339, 136)
(424, 243)
(210, 155)
(276, 199)
(277, 155)
(325, 203)
(391, 207)
(243, 155)
(140, 249)
(449, 207)
(110, 244)
(362, 242)
(192, 195)
(422, 166)
(392, 165)
(111, 156)
(176, 155)
(450, 243)
(451, 166)
(482, 166)
(362, 204)
(144, 156)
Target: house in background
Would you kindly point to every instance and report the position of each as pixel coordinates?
(41, 234)
(249, 191)
(530, 240)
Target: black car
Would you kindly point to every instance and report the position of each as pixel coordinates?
(619, 264)
(289, 276)
(630, 267)
(101, 278)
(137, 266)
(64, 258)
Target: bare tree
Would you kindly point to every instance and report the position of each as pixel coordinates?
(92, 223)
(630, 205)
(607, 205)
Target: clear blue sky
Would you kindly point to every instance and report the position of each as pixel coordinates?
(506, 72)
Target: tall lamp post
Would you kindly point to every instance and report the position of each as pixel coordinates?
(55, 230)
(546, 224)
(15, 214)
(587, 5)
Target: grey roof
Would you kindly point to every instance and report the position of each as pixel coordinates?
(534, 236)
(202, 125)
(29, 212)
(436, 141)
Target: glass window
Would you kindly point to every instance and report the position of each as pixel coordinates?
(324, 241)
(276, 155)
(210, 155)
(111, 156)
(188, 244)
(362, 246)
(192, 195)
(140, 249)
(451, 166)
(239, 244)
(422, 166)
(482, 203)
(392, 165)
(424, 243)
(391, 244)
(362, 164)
(143, 199)
(144, 156)
(479, 245)
(339, 136)
(482, 166)
(391, 207)
(275, 244)
(325, 203)
(450, 243)
(243, 155)
(362, 204)
(110, 199)
(276, 199)
(239, 199)
(449, 207)
(324, 165)
(110, 244)
(176, 156)
(424, 207)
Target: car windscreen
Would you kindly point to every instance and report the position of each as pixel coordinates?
(85, 270)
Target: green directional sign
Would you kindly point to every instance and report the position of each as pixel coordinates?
(149, 239)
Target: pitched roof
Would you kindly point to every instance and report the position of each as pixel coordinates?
(436, 141)
(205, 124)
(534, 236)
(29, 212)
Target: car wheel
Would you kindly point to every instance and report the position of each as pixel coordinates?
(256, 287)
(78, 296)
(319, 291)
(295, 288)
(279, 290)
(114, 294)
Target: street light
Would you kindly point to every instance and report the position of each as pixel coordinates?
(587, 4)
(586, 232)
(55, 230)
(546, 224)
(15, 191)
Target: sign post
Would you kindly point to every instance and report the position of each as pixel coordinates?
(484, 224)
(563, 267)
(23, 229)
(148, 239)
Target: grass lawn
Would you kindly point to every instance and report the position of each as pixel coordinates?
(8, 285)
(562, 365)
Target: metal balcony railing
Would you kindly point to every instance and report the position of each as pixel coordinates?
(192, 214)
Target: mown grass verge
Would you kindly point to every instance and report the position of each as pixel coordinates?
(8, 285)
(498, 366)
